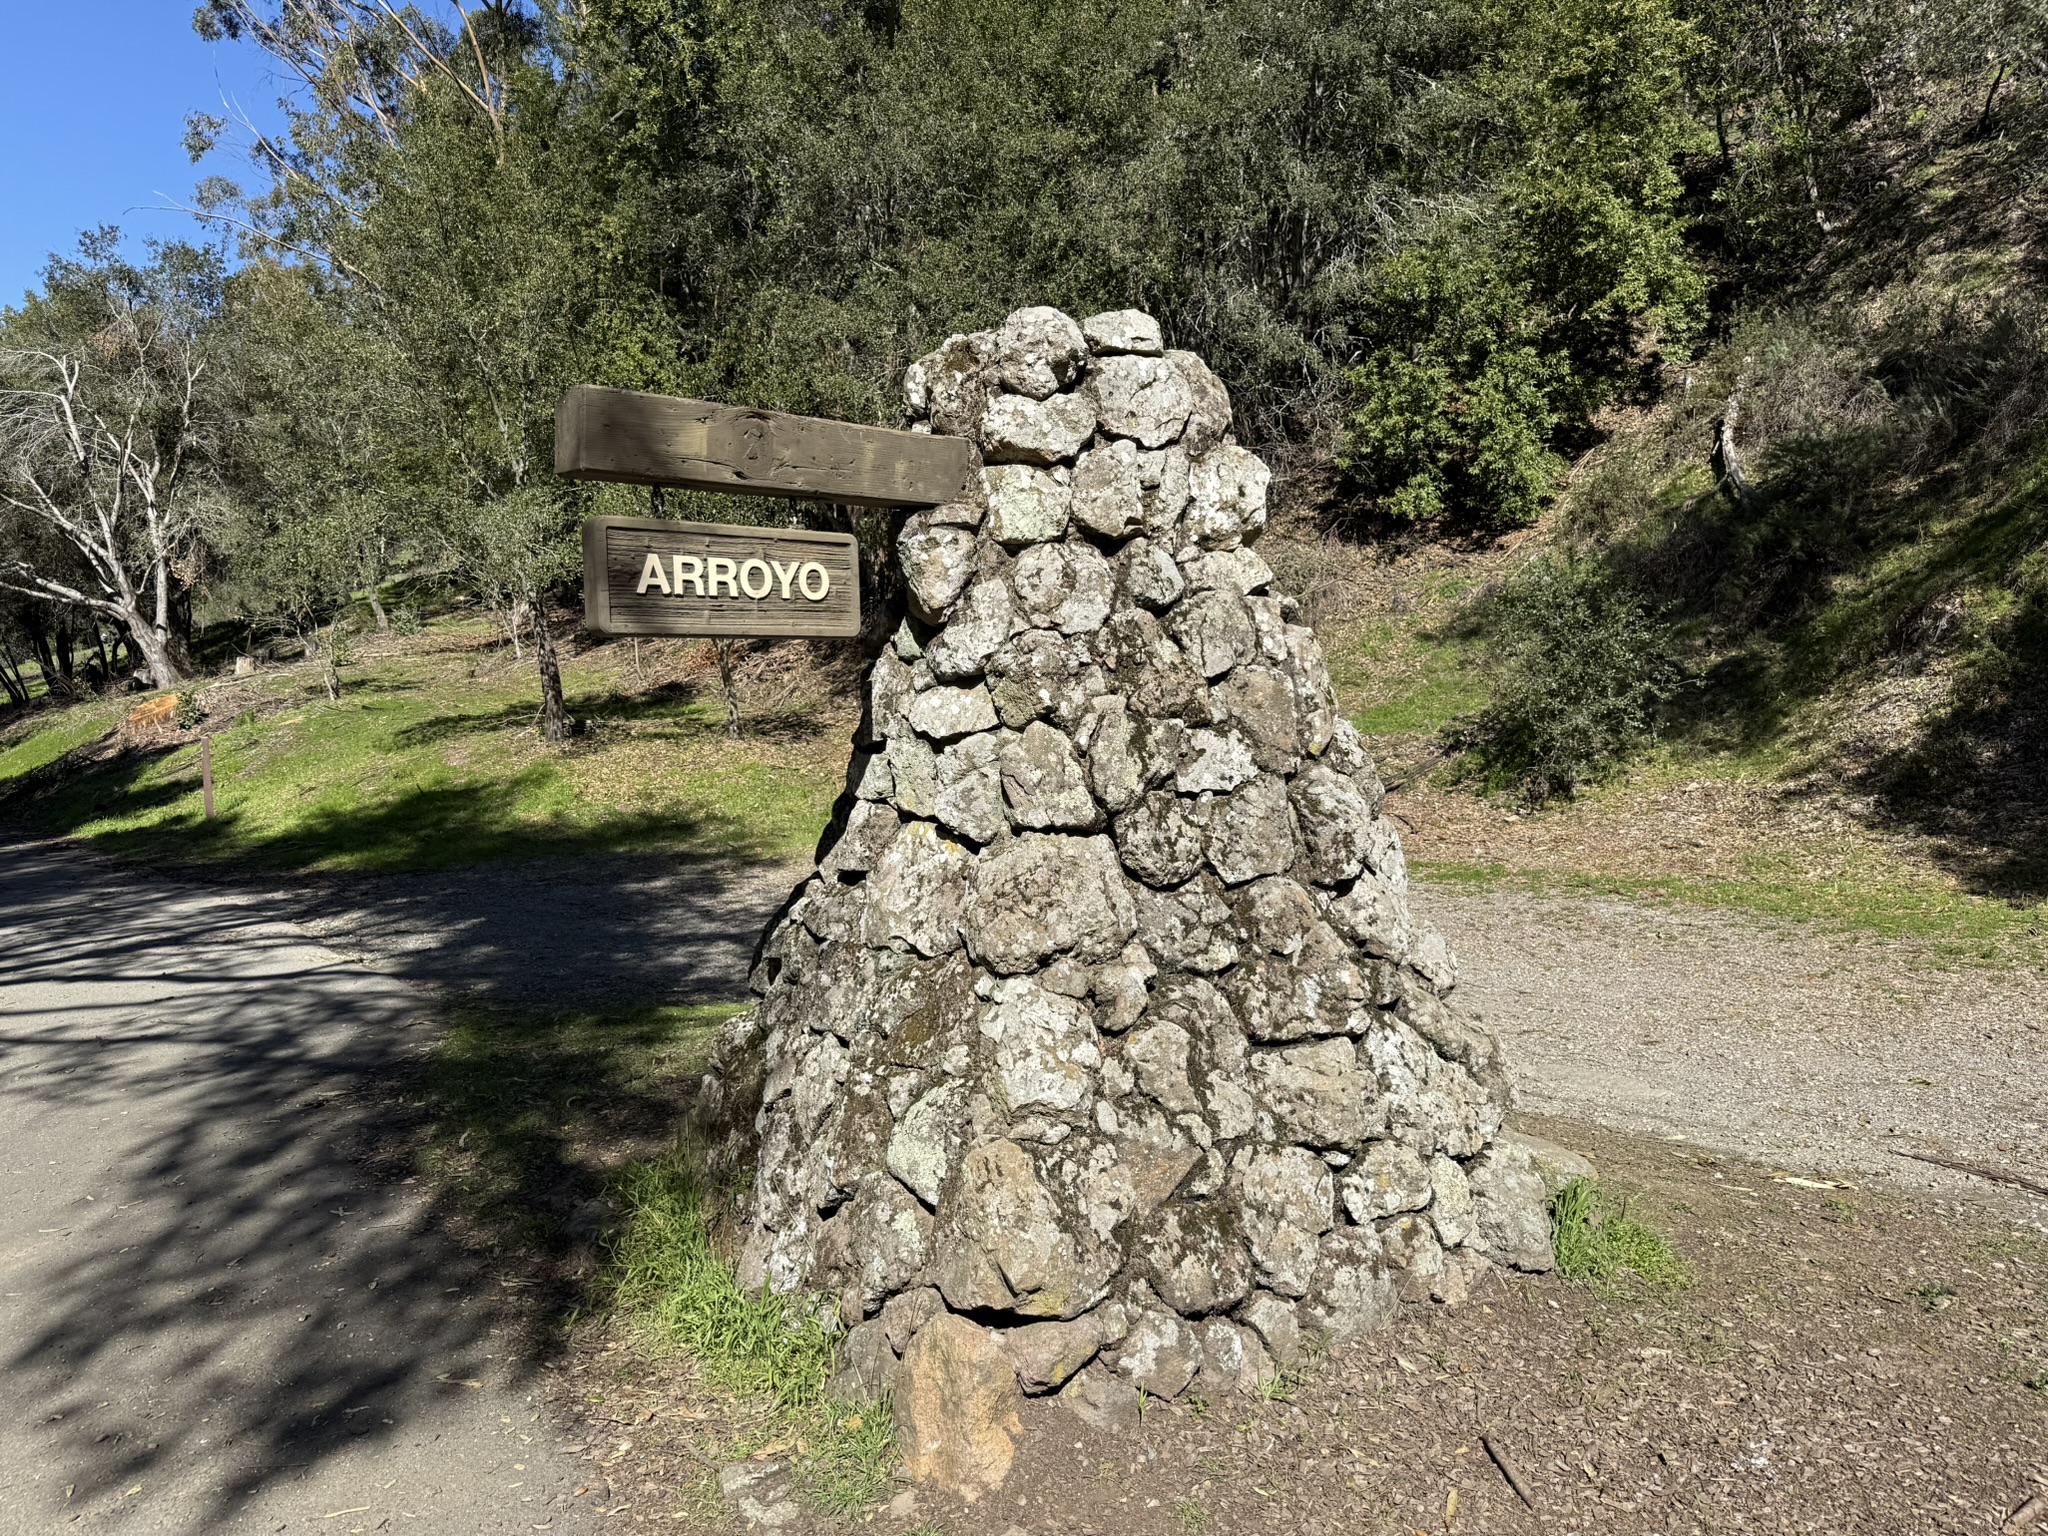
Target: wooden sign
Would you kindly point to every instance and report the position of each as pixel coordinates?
(653, 576)
(619, 434)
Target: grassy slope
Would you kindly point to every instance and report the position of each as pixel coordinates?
(429, 759)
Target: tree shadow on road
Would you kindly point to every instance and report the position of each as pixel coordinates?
(310, 1221)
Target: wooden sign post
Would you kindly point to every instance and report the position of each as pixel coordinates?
(649, 576)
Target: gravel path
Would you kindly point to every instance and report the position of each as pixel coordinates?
(210, 1320)
(559, 932)
(1820, 1053)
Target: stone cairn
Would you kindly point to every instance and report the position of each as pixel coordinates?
(1101, 1053)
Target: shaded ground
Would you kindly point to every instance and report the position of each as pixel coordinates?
(1866, 1357)
(213, 1320)
(572, 932)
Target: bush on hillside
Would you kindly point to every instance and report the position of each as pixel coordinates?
(1579, 668)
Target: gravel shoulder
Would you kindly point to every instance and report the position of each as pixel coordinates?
(1816, 1052)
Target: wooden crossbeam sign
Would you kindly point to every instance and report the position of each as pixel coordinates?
(651, 576)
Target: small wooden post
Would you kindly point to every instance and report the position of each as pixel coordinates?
(206, 773)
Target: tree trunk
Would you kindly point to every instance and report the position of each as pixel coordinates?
(1726, 462)
(11, 677)
(722, 649)
(554, 710)
(153, 650)
(1990, 96)
(383, 619)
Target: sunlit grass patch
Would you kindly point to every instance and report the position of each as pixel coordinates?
(36, 739)
(1598, 1242)
(1862, 892)
(680, 1292)
(430, 758)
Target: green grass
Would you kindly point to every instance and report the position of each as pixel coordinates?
(528, 1109)
(672, 1279)
(430, 759)
(39, 739)
(682, 1294)
(1872, 894)
(1598, 1242)
(1405, 677)
(525, 1102)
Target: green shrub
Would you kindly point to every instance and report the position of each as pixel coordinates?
(1597, 1241)
(1457, 403)
(1579, 668)
(405, 620)
(191, 711)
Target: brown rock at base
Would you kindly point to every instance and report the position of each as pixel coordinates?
(956, 1408)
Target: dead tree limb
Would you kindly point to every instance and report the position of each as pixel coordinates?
(1726, 460)
(1508, 1470)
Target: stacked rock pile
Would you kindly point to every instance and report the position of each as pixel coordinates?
(1102, 1045)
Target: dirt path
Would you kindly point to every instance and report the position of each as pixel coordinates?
(1815, 1052)
(210, 1319)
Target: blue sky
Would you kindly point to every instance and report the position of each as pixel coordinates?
(93, 97)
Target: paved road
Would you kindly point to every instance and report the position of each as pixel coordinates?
(210, 1321)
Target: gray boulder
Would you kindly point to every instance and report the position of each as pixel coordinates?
(1143, 398)
(1039, 351)
(1123, 330)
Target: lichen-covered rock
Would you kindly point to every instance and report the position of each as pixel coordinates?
(917, 891)
(1016, 429)
(1161, 839)
(1026, 505)
(1039, 351)
(1336, 824)
(1251, 832)
(1287, 1196)
(968, 788)
(1108, 498)
(1511, 1216)
(936, 563)
(1123, 330)
(1209, 404)
(1045, 782)
(1047, 1355)
(984, 619)
(1042, 895)
(952, 384)
(942, 713)
(1226, 498)
(1043, 675)
(1386, 1180)
(1161, 1353)
(1148, 576)
(1105, 1018)
(1143, 398)
(1215, 630)
(1067, 587)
